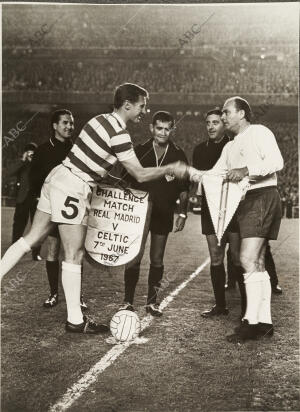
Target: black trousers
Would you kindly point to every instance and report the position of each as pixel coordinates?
(23, 211)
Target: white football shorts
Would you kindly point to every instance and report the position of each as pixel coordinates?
(65, 197)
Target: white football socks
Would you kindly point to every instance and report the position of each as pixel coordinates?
(264, 314)
(253, 285)
(13, 254)
(71, 281)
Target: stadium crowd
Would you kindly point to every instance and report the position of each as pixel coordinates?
(94, 26)
(180, 75)
(56, 48)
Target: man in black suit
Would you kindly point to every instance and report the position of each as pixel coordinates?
(26, 202)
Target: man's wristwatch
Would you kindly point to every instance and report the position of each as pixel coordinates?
(183, 215)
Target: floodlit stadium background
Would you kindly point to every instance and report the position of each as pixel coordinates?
(66, 56)
(190, 58)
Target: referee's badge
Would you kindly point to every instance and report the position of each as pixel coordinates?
(117, 225)
(169, 178)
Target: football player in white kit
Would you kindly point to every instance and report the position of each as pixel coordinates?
(253, 152)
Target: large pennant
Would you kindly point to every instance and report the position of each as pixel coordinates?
(223, 198)
(117, 225)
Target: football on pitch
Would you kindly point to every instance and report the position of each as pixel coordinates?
(125, 325)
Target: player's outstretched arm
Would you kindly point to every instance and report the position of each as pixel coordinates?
(145, 174)
(195, 175)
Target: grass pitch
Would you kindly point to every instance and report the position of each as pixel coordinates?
(186, 364)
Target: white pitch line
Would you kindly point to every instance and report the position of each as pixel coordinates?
(75, 391)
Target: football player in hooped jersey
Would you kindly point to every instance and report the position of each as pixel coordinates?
(164, 192)
(66, 193)
(48, 155)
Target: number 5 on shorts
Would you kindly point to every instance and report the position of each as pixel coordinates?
(69, 203)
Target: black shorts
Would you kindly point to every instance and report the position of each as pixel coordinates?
(161, 222)
(207, 224)
(259, 214)
(54, 232)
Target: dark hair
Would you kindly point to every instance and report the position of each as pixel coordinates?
(242, 104)
(130, 92)
(56, 115)
(163, 117)
(216, 111)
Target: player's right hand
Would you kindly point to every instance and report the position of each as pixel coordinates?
(179, 169)
(24, 157)
(27, 156)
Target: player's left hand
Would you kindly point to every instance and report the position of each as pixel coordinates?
(179, 224)
(236, 175)
(195, 175)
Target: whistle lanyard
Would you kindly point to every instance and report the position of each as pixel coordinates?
(163, 157)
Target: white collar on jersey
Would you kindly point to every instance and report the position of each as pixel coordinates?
(119, 118)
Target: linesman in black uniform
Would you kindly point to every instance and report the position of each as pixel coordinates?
(47, 156)
(205, 156)
(158, 151)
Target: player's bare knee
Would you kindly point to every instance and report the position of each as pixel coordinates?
(32, 240)
(53, 249)
(51, 258)
(157, 262)
(75, 257)
(156, 259)
(75, 260)
(244, 261)
(261, 264)
(216, 262)
(216, 257)
(37, 234)
(52, 255)
(248, 264)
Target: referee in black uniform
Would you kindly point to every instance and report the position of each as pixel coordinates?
(205, 156)
(47, 156)
(164, 192)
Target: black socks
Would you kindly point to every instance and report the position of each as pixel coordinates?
(239, 275)
(218, 277)
(52, 272)
(131, 277)
(154, 279)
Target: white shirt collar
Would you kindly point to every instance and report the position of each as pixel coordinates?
(120, 120)
(243, 131)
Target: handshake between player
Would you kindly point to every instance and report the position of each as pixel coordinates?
(179, 169)
(66, 193)
(233, 175)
